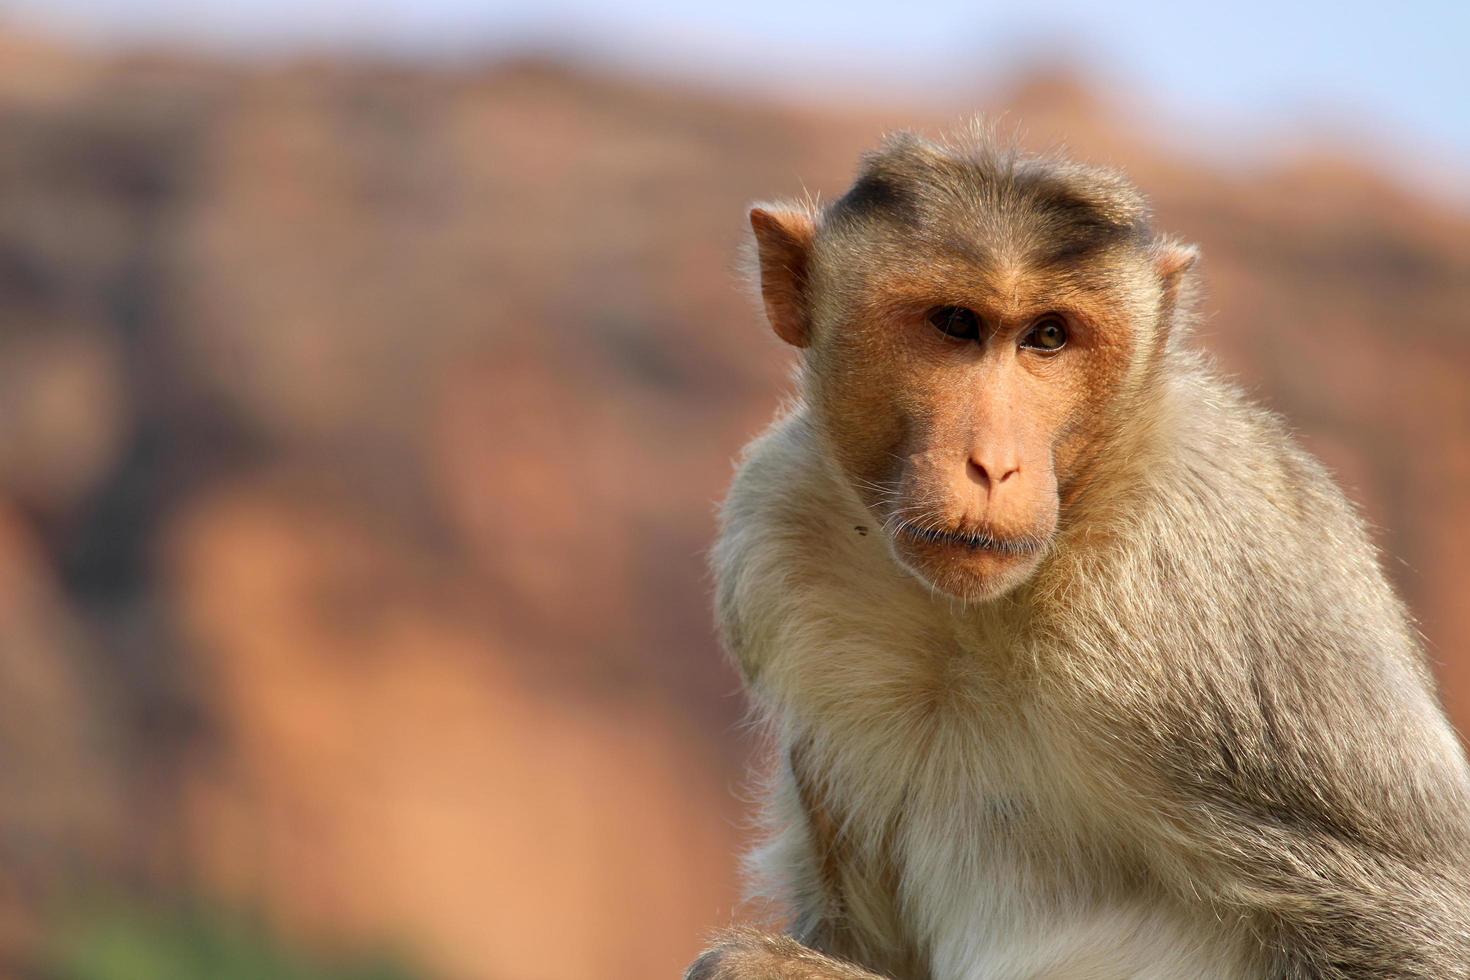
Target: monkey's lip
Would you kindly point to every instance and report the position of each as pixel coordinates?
(1018, 546)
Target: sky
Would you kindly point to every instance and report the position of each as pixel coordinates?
(1383, 70)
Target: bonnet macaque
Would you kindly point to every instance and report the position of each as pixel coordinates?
(1078, 665)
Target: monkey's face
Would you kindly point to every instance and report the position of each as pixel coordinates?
(975, 329)
(962, 406)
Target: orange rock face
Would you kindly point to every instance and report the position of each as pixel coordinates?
(386, 770)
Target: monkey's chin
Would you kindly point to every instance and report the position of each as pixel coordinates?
(966, 570)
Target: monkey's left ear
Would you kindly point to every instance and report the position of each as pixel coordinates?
(1172, 261)
(1173, 258)
(783, 240)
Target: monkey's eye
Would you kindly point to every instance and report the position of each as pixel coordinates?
(956, 321)
(1047, 334)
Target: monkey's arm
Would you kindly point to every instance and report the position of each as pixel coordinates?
(1328, 901)
(1337, 830)
(1312, 791)
(748, 955)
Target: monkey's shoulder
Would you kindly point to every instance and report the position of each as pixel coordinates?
(800, 566)
(1238, 505)
(774, 469)
(762, 512)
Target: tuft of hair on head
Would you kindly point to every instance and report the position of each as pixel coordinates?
(1050, 208)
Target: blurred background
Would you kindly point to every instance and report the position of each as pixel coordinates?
(369, 373)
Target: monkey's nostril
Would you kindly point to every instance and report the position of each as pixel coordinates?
(989, 476)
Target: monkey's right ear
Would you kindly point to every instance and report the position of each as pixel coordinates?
(783, 241)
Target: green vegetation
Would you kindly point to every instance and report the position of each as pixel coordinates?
(195, 942)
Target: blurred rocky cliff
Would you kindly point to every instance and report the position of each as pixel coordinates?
(361, 426)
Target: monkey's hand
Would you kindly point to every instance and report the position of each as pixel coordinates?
(744, 954)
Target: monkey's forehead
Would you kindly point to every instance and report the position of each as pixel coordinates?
(879, 278)
(988, 203)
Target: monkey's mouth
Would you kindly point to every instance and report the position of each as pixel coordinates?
(1018, 546)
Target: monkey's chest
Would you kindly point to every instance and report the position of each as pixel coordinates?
(993, 869)
(1005, 915)
(945, 811)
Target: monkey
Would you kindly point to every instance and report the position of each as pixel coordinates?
(1075, 664)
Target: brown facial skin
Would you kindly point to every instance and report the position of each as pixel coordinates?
(963, 448)
(976, 436)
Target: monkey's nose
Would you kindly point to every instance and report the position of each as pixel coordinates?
(991, 473)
